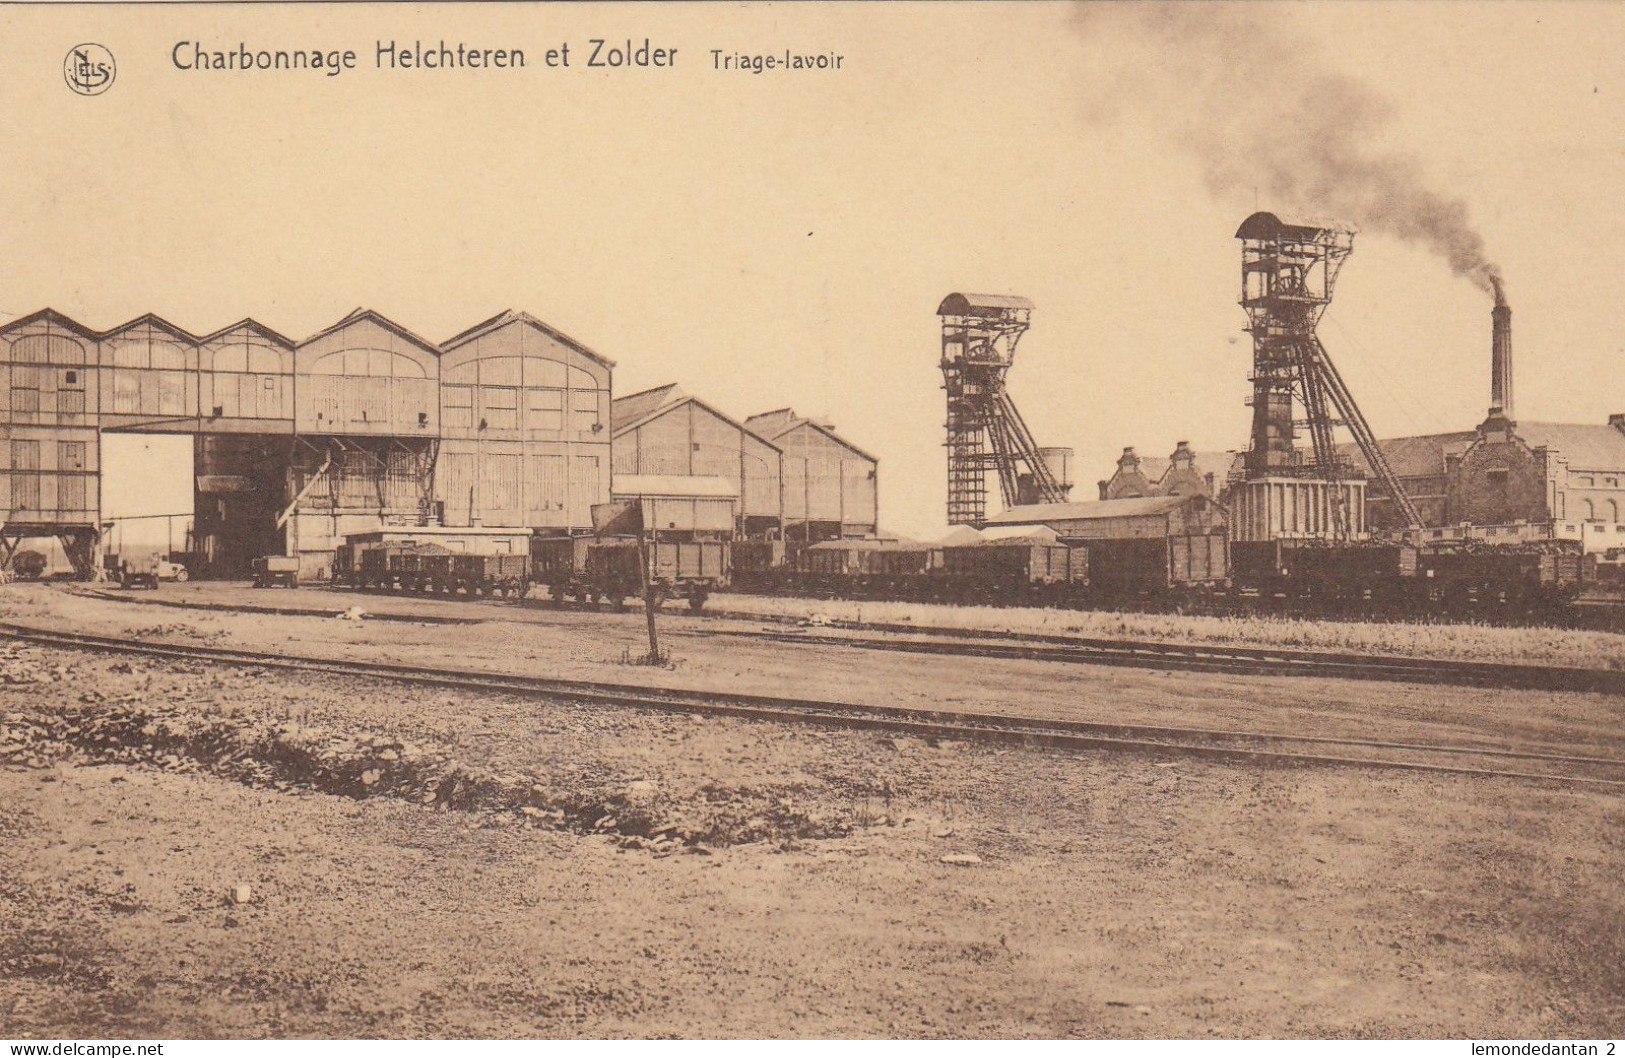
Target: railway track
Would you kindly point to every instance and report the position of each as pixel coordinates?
(1148, 654)
(1245, 661)
(1544, 765)
(119, 595)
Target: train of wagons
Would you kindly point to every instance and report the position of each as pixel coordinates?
(1460, 580)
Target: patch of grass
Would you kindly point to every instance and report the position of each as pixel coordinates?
(661, 660)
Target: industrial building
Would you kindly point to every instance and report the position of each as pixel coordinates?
(1503, 481)
(1139, 518)
(1566, 477)
(665, 433)
(830, 486)
(366, 425)
(1183, 473)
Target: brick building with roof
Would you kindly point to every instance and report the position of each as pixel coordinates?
(1571, 475)
(1184, 473)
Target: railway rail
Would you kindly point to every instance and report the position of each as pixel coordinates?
(1550, 766)
(1243, 661)
(281, 611)
(1182, 657)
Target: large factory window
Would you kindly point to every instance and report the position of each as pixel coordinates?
(171, 393)
(25, 492)
(546, 409)
(458, 405)
(33, 349)
(584, 406)
(361, 363)
(369, 400)
(126, 392)
(70, 493)
(169, 356)
(500, 410)
(70, 394)
(25, 486)
(255, 356)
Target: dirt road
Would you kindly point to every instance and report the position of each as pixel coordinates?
(805, 893)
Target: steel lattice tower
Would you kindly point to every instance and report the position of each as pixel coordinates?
(1288, 272)
(985, 431)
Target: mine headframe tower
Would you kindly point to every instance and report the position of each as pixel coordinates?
(1288, 272)
(985, 431)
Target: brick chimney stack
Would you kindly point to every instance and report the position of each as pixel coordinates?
(1501, 358)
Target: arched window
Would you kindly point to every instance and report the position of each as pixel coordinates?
(367, 363)
(1591, 511)
(1613, 511)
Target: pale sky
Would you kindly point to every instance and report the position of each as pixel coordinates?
(784, 238)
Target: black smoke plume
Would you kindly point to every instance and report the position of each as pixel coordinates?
(1266, 113)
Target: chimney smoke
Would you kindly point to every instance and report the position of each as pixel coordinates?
(1501, 354)
(1311, 139)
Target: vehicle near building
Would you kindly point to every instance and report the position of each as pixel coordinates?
(271, 571)
(144, 569)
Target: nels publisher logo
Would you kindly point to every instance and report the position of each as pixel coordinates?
(89, 69)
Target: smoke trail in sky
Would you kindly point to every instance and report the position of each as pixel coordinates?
(1265, 112)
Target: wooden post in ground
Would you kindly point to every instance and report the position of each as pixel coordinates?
(644, 558)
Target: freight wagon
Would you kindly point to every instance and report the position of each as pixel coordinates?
(1002, 572)
(1480, 580)
(756, 565)
(1317, 574)
(591, 569)
(1029, 568)
(1156, 568)
(864, 569)
(474, 561)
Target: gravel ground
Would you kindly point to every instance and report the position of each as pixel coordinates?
(590, 646)
(1553, 646)
(197, 851)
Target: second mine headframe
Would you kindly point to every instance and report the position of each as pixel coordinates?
(1288, 273)
(985, 431)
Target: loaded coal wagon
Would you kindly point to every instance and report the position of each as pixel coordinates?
(475, 560)
(1512, 579)
(1328, 575)
(1013, 566)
